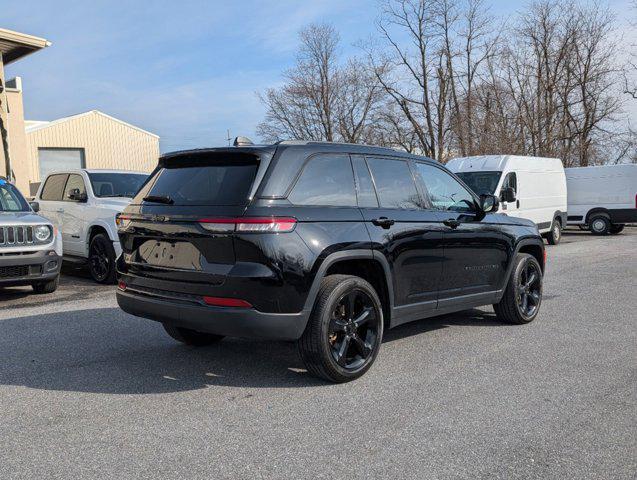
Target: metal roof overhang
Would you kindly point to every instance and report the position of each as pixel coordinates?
(15, 45)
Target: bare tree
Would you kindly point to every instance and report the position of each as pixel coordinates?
(321, 99)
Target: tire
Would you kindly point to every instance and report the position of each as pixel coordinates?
(344, 332)
(599, 224)
(101, 259)
(46, 287)
(192, 337)
(511, 307)
(615, 229)
(555, 235)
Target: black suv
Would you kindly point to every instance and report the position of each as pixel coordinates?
(328, 244)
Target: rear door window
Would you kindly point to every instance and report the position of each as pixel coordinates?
(54, 187)
(74, 181)
(364, 184)
(216, 183)
(326, 180)
(395, 184)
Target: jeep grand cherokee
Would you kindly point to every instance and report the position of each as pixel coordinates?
(327, 244)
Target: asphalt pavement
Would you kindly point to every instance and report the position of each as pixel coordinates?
(87, 391)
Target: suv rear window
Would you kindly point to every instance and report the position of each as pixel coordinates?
(215, 183)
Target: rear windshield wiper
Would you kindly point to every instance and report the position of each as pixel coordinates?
(159, 199)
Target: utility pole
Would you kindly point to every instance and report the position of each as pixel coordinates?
(228, 136)
(4, 134)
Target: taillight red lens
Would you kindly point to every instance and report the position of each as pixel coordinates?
(226, 302)
(249, 224)
(121, 285)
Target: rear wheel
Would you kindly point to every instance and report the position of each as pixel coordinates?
(344, 332)
(46, 287)
(600, 224)
(555, 235)
(191, 337)
(523, 295)
(615, 229)
(101, 259)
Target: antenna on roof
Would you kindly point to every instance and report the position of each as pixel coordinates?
(242, 142)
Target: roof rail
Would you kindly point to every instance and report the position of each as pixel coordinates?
(323, 142)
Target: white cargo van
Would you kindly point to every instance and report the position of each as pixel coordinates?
(602, 199)
(529, 187)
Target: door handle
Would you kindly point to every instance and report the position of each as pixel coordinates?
(383, 222)
(452, 223)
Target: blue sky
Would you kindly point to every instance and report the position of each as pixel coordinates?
(186, 70)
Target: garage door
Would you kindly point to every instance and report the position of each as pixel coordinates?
(55, 159)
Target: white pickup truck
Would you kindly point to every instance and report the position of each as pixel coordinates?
(83, 204)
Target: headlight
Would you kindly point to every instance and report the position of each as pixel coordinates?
(122, 221)
(42, 233)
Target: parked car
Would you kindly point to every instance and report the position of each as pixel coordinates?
(602, 199)
(528, 187)
(328, 244)
(30, 246)
(83, 204)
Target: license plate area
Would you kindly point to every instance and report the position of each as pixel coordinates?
(173, 255)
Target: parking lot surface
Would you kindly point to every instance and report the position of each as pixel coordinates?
(87, 391)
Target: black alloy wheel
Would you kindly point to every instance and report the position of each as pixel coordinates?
(522, 297)
(101, 259)
(353, 330)
(529, 289)
(344, 333)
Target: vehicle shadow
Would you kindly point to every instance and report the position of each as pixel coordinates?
(107, 351)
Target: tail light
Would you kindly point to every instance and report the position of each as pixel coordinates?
(249, 224)
(122, 286)
(226, 302)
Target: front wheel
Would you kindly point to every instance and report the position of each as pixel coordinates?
(555, 235)
(46, 287)
(523, 295)
(101, 259)
(345, 330)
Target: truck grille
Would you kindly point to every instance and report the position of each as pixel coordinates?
(14, 272)
(16, 235)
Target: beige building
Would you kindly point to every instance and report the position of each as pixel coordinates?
(88, 140)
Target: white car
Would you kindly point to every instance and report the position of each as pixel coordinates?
(529, 187)
(83, 204)
(602, 199)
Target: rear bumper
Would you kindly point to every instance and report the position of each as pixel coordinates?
(235, 322)
(41, 266)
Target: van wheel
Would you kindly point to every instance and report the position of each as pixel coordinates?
(599, 224)
(191, 337)
(523, 295)
(46, 287)
(555, 235)
(615, 229)
(345, 330)
(101, 259)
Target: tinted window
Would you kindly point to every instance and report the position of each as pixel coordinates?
(214, 184)
(325, 180)
(481, 182)
(11, 200)
(445, 192)
(74, 181)
(54, 187)
(394, 183)
(116, 184)
(364, 184)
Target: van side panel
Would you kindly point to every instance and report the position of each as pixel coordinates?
(612, 188)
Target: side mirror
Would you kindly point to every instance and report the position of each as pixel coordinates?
(507, 194)
(489, 203)
(35, 206)
(77, 196)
